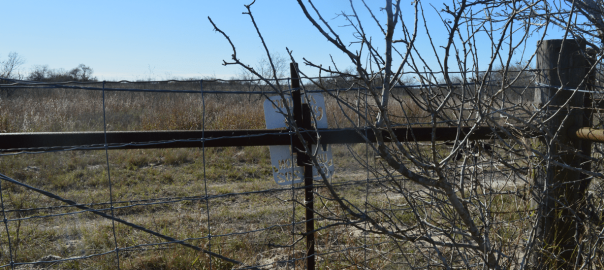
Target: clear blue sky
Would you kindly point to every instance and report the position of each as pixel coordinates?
(163, 39)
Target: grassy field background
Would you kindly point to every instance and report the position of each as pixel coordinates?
(160, 189)
(249, 217)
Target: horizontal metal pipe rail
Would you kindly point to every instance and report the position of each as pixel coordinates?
(587, 133)
(45, 141)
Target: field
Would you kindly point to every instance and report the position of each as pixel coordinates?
(159, 189)
(249, 217)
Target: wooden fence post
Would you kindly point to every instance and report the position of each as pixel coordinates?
(555, 188)
(588, 111)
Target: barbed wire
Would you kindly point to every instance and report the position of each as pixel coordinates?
(211, 80)
(170, 200)
(55, 85)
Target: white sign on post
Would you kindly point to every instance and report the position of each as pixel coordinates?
(285, 170)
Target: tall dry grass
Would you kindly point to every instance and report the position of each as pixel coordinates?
(62, 110)
(356, 110)
(56, 110)
(139, 175)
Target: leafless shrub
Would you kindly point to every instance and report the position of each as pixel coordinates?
(461, 204)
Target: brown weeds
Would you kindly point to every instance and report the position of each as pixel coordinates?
(147, 185)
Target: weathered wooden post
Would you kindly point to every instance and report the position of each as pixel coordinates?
(586, 145)
(561, 66)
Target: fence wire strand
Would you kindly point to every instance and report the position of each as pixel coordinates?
(117, 254)
(340, 237)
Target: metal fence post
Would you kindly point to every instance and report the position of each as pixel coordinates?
(302, 116)
(309, 196)
(560, 64)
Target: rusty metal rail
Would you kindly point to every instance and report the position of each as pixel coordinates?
(44, 141)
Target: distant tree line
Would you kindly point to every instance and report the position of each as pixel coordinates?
(80, 73)
(10, 69)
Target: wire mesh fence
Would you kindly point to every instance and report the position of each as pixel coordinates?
(93, 206)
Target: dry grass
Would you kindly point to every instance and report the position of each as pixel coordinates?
(141, 175)
(73, 110)
(138, 176)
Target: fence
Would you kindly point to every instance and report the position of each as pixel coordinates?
(210, 181)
